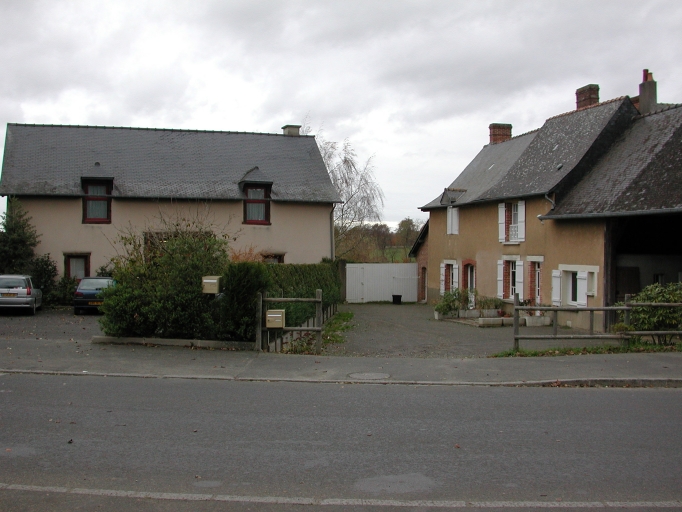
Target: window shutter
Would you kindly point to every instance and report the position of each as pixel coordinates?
(455, 221)
(556, 288)
(582, 289)
(501, 219)
(522, 221)
(455, 276)
(442, 278)
(519, 279)
(500, 279)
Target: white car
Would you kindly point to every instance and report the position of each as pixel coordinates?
(17, 291)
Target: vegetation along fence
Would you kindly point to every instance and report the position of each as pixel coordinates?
(321, 316)
(623, 336)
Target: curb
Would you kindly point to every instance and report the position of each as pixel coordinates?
(214, 344)
(568, 383)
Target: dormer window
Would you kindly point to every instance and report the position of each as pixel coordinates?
(257, 204)
(97, 201)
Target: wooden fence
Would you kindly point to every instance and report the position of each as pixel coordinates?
(623, 337)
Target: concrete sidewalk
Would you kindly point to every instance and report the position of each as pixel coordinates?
(85, 358)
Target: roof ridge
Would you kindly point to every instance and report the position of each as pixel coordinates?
(668, 106)
(619, 98)
(101, 127)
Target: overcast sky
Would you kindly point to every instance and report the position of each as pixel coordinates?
(414, 83)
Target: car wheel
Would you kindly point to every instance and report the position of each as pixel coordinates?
(32, 311)
(76, 311)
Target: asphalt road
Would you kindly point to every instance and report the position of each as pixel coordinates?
(288, 446)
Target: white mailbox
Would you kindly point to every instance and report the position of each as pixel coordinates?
(274, 319)
(210, 284)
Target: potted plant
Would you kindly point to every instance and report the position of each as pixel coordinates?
(448, 304)
(537, 318)
(489, 306)
(468, 304)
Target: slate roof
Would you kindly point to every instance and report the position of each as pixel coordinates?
(544, 160)
(641, 173)
(49, 160)
(484, 171)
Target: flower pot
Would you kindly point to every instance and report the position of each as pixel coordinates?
(489, 313)
(538, 321)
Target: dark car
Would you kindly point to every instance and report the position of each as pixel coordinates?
(17, 291)
(88, 295)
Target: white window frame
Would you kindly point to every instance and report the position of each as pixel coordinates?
(454, 275)
(581, 279)
(452, 221)
(517, 230)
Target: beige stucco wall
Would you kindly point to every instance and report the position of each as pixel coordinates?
(559, 243)
(299, 231)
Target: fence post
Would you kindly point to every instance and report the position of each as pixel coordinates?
(591, 322)
(555, 323)
(627, 311)
(259, 323)
(516, 322)
(318, 320)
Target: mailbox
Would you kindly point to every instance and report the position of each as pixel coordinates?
(210, 284)
(274, 319)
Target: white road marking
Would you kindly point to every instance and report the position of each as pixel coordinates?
(350, 502)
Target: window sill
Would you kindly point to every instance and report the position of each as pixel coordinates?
(512, 242)
(257, 222)
(103, 221)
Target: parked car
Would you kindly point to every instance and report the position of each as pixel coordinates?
(17, 291)
(88, 294)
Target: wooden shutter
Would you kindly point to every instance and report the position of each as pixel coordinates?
(500, 279)
(454, 276)
(519, 279)
(453, 221)
(582, 288)
(501, 220)
(556, 287)
(442, 278)
(522, 221)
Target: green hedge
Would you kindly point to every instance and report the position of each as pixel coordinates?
(301, 281)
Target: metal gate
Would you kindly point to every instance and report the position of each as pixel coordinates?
(377, 282)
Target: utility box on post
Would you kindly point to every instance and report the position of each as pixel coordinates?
(210, 284)
(274, 319)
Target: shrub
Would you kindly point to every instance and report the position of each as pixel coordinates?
(237, 307)
(158, 282)
(43, 275)
(63, 291)
(450, 302)
(302, 281)
(18, 239)
(484, 302)
(647, 318)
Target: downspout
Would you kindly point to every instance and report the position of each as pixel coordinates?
(550, 201)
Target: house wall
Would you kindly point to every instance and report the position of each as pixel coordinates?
(301, 232)
(579, 244)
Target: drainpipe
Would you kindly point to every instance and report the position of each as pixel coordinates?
(550, 201)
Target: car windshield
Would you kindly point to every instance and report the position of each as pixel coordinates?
(94, 284)
(12, 282)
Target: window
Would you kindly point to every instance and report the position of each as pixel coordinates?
(453, 221)
(510, 278)
(97, 201)
(572, 284)
(257, 205)
(449, 276)
(536, 274)
(77, 265)
(512, 222)
(273, 258)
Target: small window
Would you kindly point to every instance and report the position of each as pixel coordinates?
(257, 205)
(97, 202)
(273, 258)
(77, 265)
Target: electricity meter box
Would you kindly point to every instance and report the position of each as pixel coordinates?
(210, 284)
(274, 319)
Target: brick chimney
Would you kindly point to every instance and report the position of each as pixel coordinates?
(500, 132)
(587, 96)
(292, 130)
(648, 100)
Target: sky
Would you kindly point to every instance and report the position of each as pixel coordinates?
(411, 84)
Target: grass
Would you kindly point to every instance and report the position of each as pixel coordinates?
(614, 349)
(332, 334)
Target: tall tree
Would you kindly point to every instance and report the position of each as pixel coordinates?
(363, 199)
(18, 239)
